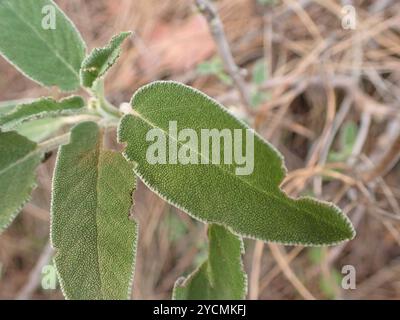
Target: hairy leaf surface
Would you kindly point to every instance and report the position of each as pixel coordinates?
(101, 60)
(8, 106)
(44, 107)
(35, 130)
(40, 129)
(250, 205)
(19, 158)
(221, 276)
(94, 238)
(28, 40)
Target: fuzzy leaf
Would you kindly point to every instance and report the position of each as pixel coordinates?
(95, 240)
(44, 107)
(35, 130)
(250, 205)
(40, 129)
(101, 60)
(28, 40)
(8, 106)
(18, 161)
(221, 276)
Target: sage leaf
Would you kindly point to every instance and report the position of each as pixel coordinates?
(44, 107)
(18, 161)
(250, 205)
(8, 106)
(221, 276)
(41, 42)
(94, 239)
(35, 130)
(101, 60)
(40, 129)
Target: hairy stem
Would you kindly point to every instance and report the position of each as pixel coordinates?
(106, 109)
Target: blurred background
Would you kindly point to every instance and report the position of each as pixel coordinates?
(319, 79)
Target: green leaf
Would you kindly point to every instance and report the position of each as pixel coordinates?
(176, 227)
(18, 161)
(44, 107)
(52, 57)
(226, 79)
(7, 106)
(250, 205)
(259, 72)
(94, 238)
(41, 129)
(348, 136)
(329, 284)
(221, 276)
(35, 130)
(101, 60)
(315, 255)
(214, 67)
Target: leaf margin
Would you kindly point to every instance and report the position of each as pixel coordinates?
(114, 48)
(336, 210)
(133, 221)
(13, 123)
(41, 83)
(184, 281)
(37, 156)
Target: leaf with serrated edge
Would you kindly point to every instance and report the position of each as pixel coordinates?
(94, 238)
(251, 206)
(41, 108)
(221, 276)
(18, 161)
(51, 57)
(101, 60)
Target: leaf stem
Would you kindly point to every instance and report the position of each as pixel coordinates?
(106, 109)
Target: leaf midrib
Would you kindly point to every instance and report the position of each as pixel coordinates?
(271, 195)
(97, 152)
(31, 153)
(98, 155)
(8, 122)
(68, 65)
(202, 156)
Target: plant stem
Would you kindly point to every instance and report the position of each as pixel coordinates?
(217, 30)
(106, 108)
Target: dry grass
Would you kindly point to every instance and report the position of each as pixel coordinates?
(320, 78)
